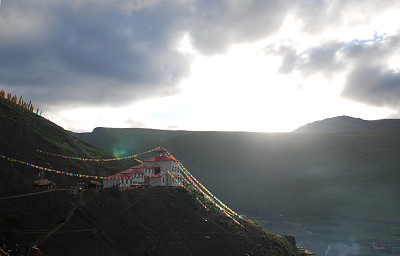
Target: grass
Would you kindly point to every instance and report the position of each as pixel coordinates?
(325, 178)
(23, 132)
(26, 132)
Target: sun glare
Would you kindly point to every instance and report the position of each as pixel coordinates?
(243, 90)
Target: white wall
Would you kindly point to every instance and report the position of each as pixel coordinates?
(164, 180)
(173, 182)
(124, 183)
(137, 178)
(147, 171)
(164, 166)
(156, 181)
(110, 183)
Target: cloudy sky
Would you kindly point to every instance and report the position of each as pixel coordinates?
(264, 65)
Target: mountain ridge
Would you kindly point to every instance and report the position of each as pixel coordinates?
(260, 154)
(347, 124)
(334, 178)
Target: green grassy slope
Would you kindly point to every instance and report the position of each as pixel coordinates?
(153, 221)
(321, 187)
(317, 175)
(23, 132)
(62, 221)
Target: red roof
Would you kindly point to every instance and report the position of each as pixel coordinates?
(158, 158)
(131, 171)
(141, 166)
(177, 175)
(119, 175)
(160, 149)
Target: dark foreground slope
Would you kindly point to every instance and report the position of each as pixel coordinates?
(69, 221)
(303, 175)
(152, 221)
(23, 132)
(322, 187)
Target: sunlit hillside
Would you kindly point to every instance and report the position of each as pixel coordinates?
(321, 180)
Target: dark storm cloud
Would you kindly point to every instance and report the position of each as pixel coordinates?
(91, 52)
(321, 59)
(368, 78)
(373, 85)
(215, 25)
(114, 52)
(94, 52)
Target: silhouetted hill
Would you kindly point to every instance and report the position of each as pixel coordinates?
(67, 221)
(152, 221)
(325, 186)
(23, 132)
(348, 124)
(330, 173)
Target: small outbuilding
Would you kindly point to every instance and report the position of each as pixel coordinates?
(125, 179)
(136, 175)
(115, 181)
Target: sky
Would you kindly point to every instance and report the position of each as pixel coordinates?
(263, 66)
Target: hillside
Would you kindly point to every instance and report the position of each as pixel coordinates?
(320, 187)
(348, 124)
(67, 221)
(156, 221)
(23, 132)
(303, 169)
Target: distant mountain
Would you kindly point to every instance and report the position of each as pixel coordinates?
(348, 124)
(69, 221)
(245, 168)
(287, 179)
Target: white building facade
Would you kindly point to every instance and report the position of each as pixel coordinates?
(159, 170)
(136, 175)
(166, 179)
(116, 181)
(124, 179)
(146, 170)
(162, 163)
